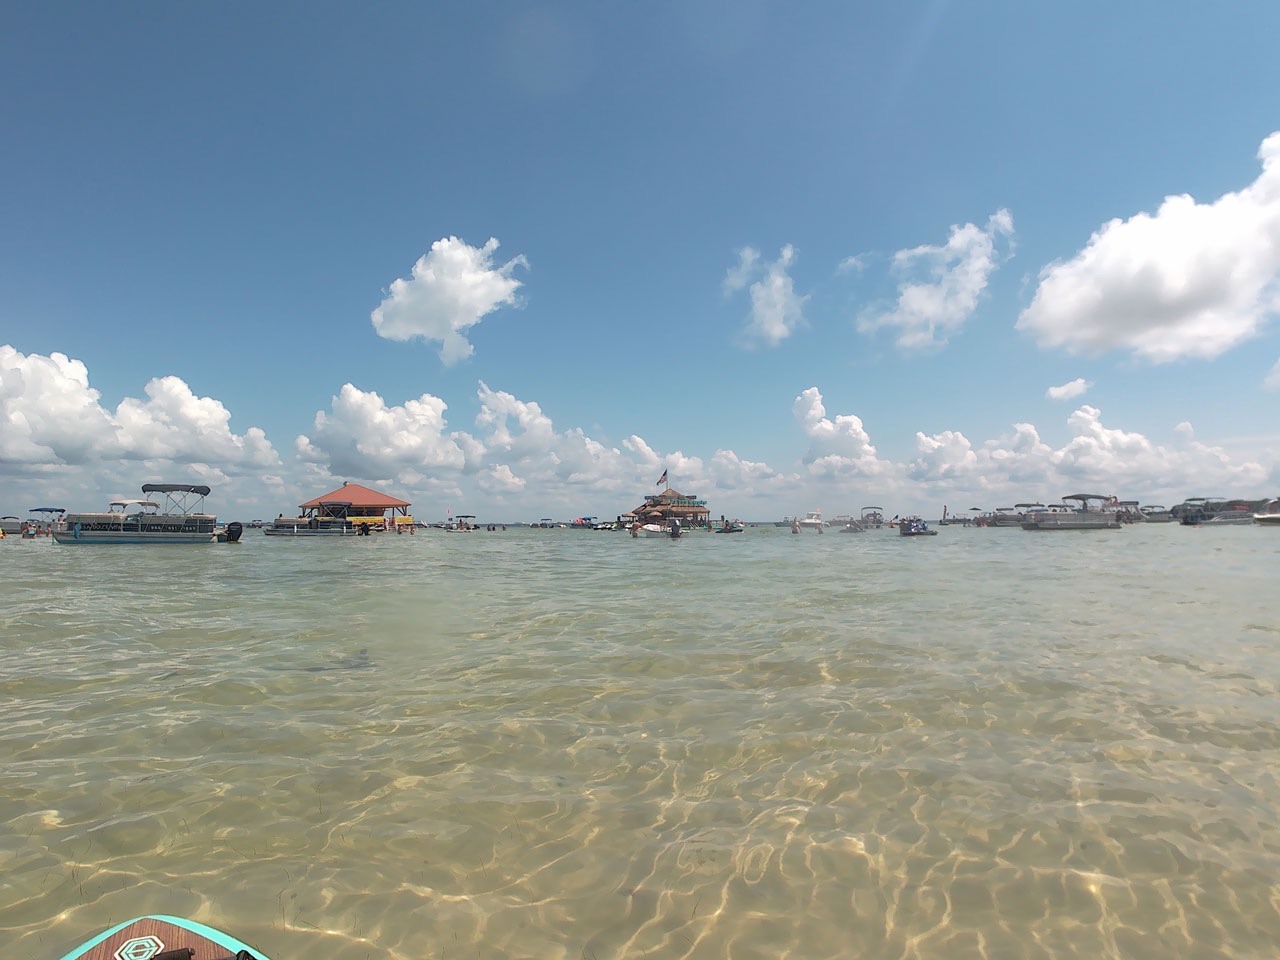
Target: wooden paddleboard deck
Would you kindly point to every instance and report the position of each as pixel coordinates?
(163, 938)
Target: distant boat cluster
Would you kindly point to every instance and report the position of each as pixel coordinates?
(1087, 511)
(174, 513)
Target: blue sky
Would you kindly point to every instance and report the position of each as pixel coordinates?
(516, 260)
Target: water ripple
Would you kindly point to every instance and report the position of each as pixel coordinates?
(559, 744)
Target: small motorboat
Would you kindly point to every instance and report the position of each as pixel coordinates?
(914, 527)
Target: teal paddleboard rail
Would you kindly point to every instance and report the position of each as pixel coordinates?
(224, 940)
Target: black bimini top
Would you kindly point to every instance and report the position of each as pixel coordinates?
(199, 488)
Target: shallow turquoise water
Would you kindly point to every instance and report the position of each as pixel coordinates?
(565, 744)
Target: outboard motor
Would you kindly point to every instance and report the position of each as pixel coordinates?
(673, 527)
(234, 529)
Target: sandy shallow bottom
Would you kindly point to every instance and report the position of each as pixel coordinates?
(556, 744)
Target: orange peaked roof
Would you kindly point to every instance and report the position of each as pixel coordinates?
(357, 495)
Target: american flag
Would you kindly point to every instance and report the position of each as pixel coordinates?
(662, 479)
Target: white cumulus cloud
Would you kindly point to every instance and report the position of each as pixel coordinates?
(518, 433)
(48, 412)
(1069, 390)
(174, 424)
(945, 456)
(1192, 280)
(777, 311)
(51, 416)
(838, 445)
(1096, 458)
(942, 285)
(362, 436)
(451, 289)
(1098, 453)
(1019, 461)
(732, 472)
(501, 480)
(515, 446)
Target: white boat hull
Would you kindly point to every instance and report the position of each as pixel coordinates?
(1072, 521)
(302, 530)
(91, 537)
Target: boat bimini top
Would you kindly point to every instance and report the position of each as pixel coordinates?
(181, 498)
(197, 488)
